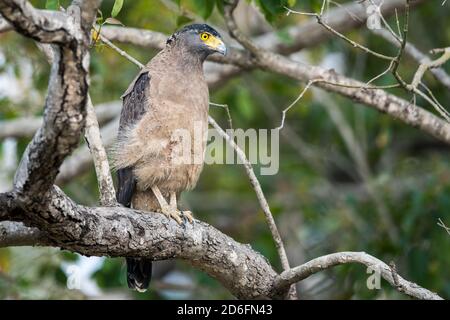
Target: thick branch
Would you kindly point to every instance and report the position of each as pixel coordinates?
(64, 107)
(325, 262)
(122, 232)
(94, 142)
(43, 26)
(16, 234)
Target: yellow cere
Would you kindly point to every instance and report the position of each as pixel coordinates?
(210, 40)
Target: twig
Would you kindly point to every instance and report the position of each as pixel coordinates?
(439, 73)
(225, 106)
(119, 51)
(259, 192)
(441, 224)
(427, 65)
(283, 117)
(418, 76)
(395, 61)
(319, 17)
(388, 27)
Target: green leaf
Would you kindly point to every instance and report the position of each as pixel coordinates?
(273, 8)
(204, 7)
(116, 8)
(52, 5)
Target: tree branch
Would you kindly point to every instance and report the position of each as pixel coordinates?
(325, 262)
(122, 232)
(439, 73)
(43, 26)
(65, 103)
(95, 144)
(16, 234)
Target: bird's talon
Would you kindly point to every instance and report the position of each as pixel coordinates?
(189, 216)
(173, 213)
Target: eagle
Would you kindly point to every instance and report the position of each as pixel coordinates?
(165, 112)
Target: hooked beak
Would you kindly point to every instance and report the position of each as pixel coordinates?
(221, 48)
(217, 45)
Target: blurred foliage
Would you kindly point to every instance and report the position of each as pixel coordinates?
(320, 202)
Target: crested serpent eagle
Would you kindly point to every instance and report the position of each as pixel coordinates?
(168, 95)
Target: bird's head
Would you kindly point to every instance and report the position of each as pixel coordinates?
(198, 39)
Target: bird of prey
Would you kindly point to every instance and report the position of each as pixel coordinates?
(170, 93)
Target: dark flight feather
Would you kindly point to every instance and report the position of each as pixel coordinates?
(135, 105)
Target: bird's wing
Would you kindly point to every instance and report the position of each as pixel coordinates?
(135, 105)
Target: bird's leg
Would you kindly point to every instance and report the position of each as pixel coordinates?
(173, 204)
(166, 209)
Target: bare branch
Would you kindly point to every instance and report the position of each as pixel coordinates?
(259, 194)
(439, 73)
(428, 65)
(120, 51)
(140, 37)
(16, 234)
(285, 110)
(325, 262)
(43, 26)
(442, 225)
(64, 107)
(379, 99)
(95, 144)
(321, 21)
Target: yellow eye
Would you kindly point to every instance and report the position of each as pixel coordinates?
(204, 36)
